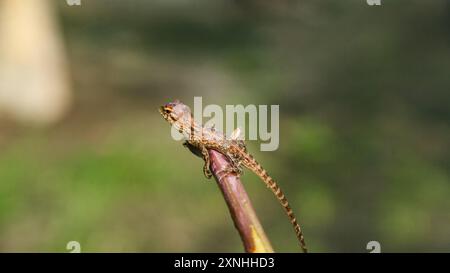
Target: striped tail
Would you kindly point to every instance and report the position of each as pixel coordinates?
(273, 186)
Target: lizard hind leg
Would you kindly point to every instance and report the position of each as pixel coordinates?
(235, 165)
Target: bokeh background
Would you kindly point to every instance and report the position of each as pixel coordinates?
(364, 122)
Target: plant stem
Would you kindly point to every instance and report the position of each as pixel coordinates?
(238, 202)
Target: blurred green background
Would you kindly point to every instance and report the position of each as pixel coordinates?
(364, 127)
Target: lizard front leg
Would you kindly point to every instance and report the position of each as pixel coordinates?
(200, 151)
(205, 154)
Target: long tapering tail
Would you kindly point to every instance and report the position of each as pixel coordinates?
(273, 186)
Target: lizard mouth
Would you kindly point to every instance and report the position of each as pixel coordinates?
(161, 110)
(166, 112)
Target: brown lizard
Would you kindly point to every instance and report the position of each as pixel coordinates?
(199, 139)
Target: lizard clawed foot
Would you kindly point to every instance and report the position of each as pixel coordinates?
(228, 171)
(235, 165)
(207, 172)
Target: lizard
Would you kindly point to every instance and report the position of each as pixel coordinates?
(200, 139)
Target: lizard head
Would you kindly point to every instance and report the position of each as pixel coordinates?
(174, 111)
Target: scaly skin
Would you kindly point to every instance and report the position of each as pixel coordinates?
(201, 139)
